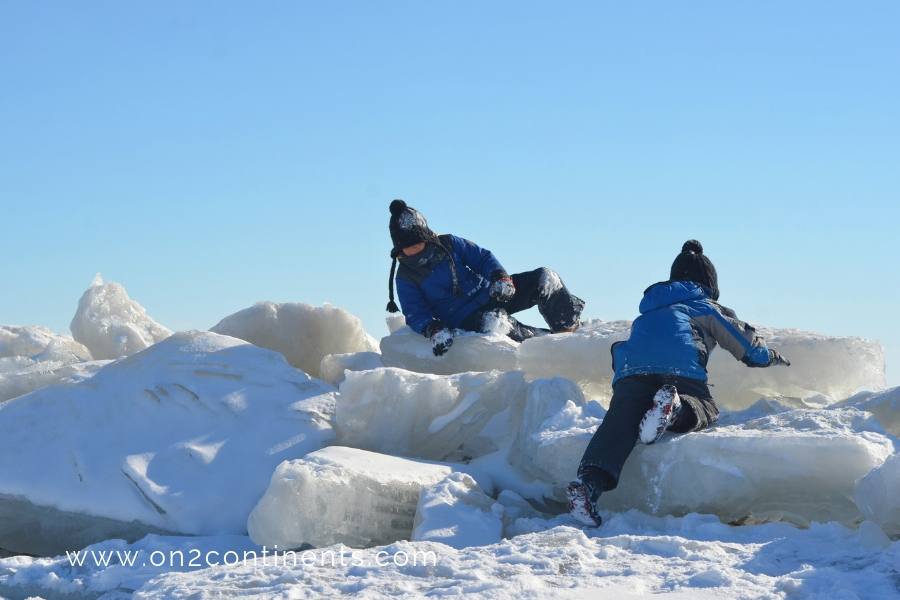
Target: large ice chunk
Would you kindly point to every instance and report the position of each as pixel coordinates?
(456, 512)
(333, 366)
(181, 437)
(877, 493)
(885, 406)
(821, 365)
(408, 350)
(112, 325)
(344, 495)
(583, 356)
(31, 340)
(56, 364)
(556, 425)
(797, 465)
(823, 368)
(402, 413)
(33, 357)
(303, 333)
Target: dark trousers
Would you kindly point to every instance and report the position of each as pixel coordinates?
(542, 287)
(632, 398)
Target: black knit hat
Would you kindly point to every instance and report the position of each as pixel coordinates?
(693, 265)
(408, 226)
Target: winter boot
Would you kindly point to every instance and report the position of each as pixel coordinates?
(583, 494)
(666, 406)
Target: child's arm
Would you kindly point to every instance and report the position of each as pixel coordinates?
(475, 257)
(739, 338)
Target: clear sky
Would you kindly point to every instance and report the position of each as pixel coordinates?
(208, 155)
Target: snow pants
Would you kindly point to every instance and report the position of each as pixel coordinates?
(632, 398)
(542, 287)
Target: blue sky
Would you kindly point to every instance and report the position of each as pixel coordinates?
(208, 155)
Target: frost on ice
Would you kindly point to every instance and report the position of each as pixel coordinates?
(409, 350)
(303, 333)
(345, 495)
(181, 437)
(112, 325)
(398, 412)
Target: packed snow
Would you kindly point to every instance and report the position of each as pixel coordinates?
(140, 463)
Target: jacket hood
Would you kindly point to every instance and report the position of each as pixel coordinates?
(672, 292)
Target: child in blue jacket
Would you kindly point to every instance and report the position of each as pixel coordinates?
(660, 373)
(445, 283)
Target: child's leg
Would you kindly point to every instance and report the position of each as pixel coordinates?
(543, 287)
(698, 410)
(614, 440)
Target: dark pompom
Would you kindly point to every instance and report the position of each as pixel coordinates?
(397, 207)
(692, 246)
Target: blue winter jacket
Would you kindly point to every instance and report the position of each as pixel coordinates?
(678, 327)
(428, 296)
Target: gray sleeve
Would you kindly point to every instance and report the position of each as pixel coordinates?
(735, 336)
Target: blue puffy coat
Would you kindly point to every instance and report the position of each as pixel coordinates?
(678, 327)
(428, 293)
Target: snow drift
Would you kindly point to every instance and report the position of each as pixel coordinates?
(181, 437)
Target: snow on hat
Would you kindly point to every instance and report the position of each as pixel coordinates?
(408, 226)
(693, 265)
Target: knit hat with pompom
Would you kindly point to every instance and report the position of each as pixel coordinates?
(408, 227)
(693, 265)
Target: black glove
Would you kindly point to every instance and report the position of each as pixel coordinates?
(502, 287)
(777, 359)
(441, 337)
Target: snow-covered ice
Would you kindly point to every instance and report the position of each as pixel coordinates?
(112, 325)
(402, 413)
(333, 366)
(885, 406)
(795, 465)
(877, 495)
(408, 350)
(31, 340)
(181, 437)
(344, 495)
(456, 511)
(303, 333)
(555, 428)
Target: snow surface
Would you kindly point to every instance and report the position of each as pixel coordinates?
(791, 496)
(160, 438)
(303, 333)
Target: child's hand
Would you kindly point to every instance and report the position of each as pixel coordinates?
(777, 359)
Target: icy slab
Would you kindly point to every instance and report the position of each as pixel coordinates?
(402, 413)
(885, 406)
(799, 466)
(181, 437)
(583, 356)
(333, 366)
(20, 375)
(395, 321)
(348, 496)
(456, 512)
(303, 333)
(877, 493)
(824, 369)
(32, 340)
(821, 365)
(408, 350)
(112, 325)
(556, 425)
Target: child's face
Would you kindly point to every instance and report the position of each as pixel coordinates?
(414, 249)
